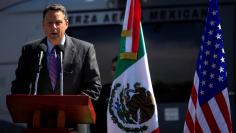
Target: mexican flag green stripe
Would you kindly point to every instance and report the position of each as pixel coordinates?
(124, 64)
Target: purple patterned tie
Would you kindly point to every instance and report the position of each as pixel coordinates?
(53, 67)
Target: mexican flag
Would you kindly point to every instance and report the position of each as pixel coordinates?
(132, 106)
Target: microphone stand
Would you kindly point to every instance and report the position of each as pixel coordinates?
(37, 75)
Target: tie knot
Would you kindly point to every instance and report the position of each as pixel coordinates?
(53, 51)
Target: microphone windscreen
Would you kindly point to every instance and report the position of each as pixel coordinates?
(59, 48)
(42, 47)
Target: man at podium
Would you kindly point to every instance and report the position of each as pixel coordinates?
(39, 64)
(57, 63)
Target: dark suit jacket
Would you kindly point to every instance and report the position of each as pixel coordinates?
(81, 72)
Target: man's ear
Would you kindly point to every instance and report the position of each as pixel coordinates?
(67, 23)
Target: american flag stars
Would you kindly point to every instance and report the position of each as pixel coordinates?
(211, 67)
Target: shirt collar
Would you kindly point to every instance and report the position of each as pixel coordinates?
(50, 45)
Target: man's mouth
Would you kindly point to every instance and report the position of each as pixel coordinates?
(54, 34)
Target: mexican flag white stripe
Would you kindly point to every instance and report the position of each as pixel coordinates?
(125, 24)
(128, 47)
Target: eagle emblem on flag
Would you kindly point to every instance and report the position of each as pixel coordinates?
(130, 106)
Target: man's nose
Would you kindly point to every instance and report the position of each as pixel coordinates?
(54, 25)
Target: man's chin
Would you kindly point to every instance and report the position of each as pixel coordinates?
(54, 39)
(54, 36)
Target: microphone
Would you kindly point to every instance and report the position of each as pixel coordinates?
(42, 49)
(60, 51)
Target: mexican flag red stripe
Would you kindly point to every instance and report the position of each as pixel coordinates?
(136, 26)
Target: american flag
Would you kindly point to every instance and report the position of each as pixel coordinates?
(209, 108)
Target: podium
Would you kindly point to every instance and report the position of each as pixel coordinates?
(58, 111)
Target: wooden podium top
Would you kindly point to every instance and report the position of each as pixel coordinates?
(77, 108)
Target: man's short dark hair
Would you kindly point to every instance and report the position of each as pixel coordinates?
(55, 7)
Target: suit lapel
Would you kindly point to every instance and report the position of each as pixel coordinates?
(69, 54)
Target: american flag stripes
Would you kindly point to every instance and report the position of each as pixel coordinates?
(209, 108)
